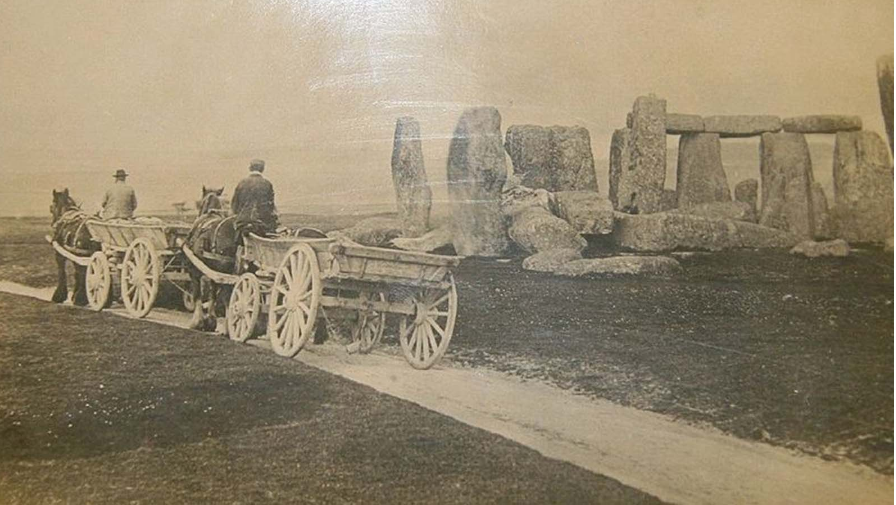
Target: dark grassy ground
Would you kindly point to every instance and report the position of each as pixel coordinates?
(99, 409)
(763, 345)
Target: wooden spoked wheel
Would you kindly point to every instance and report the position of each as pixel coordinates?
(98, 281)
(294, 300)
(368, 329)
(424, 337)
(140, 274)
(243, 309)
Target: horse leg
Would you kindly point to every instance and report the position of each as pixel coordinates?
(61, 293)
(196, 290)
(79, 296)
(211, 318)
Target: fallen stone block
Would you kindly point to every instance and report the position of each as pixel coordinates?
(586, 211)
(409, 178)
(678, 124)
(519, 198)
(428, 242)
(826, 123)
(741, 126)
(701, 178)
(863, 188)
(374, 231)
(621, 265)
(668, 231)
(738, 211)
(548, 261)
(811, 249)
(536, 230)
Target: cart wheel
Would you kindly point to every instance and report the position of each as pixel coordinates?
(295, 297)
(98, 281)
(140, 273)
(243, 309)
(368, 329)
(187, 300)
(424, 337)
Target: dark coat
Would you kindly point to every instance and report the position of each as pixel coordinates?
(253, 200)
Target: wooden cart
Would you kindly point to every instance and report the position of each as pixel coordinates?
(143, 254)
(291, 280)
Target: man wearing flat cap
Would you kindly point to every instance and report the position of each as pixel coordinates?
(253, 201)
(120, 201)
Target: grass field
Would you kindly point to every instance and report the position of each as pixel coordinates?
(763, 345)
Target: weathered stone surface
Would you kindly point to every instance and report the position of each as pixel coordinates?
(786, 171)
(548, 261)
(668, 200)
(888, 244)
(677, 124)
(747, 191)
(374, 231)
(863, 188)
(409, 178)
(668, 231)
(428, 242)
(811, 249)
(824, 123)
(885, 84)
(536, 230)
(738, 211)
(556, 158)
(741, 126)
(820, 213)
(519, 198)
(621, 265)
(586, 211)
(647, 166)
(701, 178)
(621, 184)
(476, 175)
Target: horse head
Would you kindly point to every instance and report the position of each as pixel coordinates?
(211, 200)
(62, 203)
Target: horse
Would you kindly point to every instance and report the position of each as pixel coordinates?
(69, 231)
(213, 238)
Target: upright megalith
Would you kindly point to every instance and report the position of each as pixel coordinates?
(476, 175)
(863, 188)
(409, 177)
(638, 159)
(701, 178)
(555, 158)
(786, 171)
(821, 213)
(747, 191)
(885, 83)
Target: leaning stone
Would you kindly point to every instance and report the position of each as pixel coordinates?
(621, 183)
(678, 124)
(811, 249)
(827, 123)
(621, 265)
(586, 211)
(738, 211)
(647, 166)
(786, 171)
(885, 84)
(428, 242)
(820, 213)
(668, 231)
(409, 177)
(741, 126)
(529, 148)
(747, 191)
(476, 175)
(863, 188)
(548, 261)
(701, 178)
(374, 231)
(536, 230)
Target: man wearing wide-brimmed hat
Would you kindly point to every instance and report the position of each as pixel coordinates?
(120, 201)
(253, 201)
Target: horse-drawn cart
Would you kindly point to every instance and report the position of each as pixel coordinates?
(145, 253)
(291, 280)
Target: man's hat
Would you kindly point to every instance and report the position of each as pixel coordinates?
(256, 165)
(120, 174)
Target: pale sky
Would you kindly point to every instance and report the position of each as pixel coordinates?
(187, 92)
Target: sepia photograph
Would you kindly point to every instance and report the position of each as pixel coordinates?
(446, 252)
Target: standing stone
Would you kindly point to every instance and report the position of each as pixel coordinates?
(556, 158)
(409, 177)
(820, 212)
(786, 171)
(747, 191)
(476, 175)
(701, 178)
(863, 188)
(621, 184)
(648, 154)
(885, 83)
